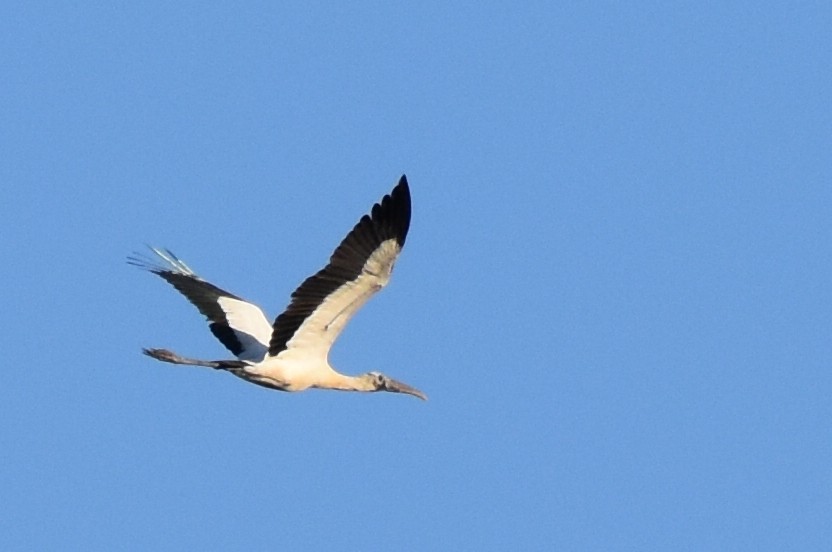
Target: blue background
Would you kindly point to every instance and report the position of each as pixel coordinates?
(615, 291)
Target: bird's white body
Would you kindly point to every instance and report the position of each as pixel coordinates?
(293, 372)
(292, 354)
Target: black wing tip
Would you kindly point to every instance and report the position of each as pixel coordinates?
(402, 190)
(143, 262)
(162, 261)
(400, 208)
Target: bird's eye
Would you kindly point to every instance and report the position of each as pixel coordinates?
(379, 379)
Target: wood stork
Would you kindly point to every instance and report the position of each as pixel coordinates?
(292, 354)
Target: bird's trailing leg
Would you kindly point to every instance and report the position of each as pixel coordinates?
(169, 356)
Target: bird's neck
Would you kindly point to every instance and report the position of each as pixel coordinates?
(346, 383)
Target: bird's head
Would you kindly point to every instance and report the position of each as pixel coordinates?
(377, 381)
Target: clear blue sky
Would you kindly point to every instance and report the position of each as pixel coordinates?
(616, 291)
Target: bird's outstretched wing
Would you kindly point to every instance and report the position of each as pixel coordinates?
(360, 266)
(239, 325)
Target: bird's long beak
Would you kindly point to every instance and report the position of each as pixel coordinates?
(395, 386)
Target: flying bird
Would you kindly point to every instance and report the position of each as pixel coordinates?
(292, 354)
